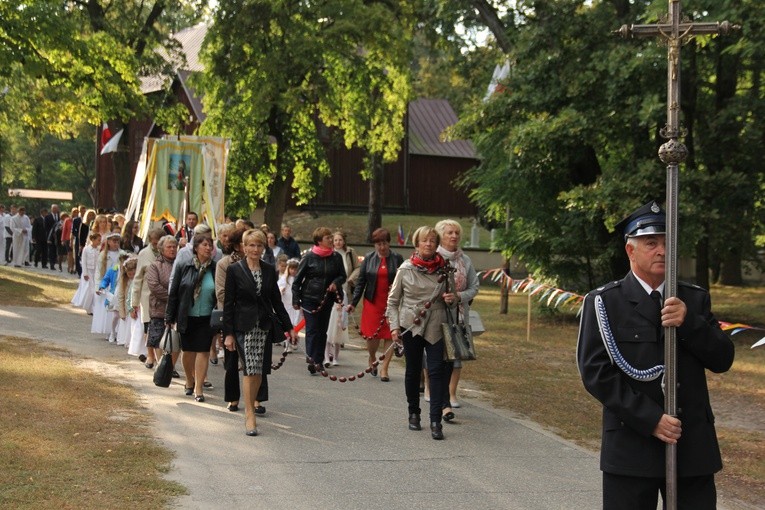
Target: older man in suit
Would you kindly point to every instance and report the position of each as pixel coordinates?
(620, 353)
(53, 240)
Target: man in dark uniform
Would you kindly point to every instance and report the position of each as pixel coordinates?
(620, 353)
(40, 239)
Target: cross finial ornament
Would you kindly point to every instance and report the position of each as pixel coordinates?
(675, 31)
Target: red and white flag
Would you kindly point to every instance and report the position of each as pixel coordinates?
(109, 143)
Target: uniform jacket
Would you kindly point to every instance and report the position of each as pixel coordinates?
(631, 408)
(39, 232)
(314, 275)
(366, 283)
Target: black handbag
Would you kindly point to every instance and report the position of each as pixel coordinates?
(164, 372)
(216, 320)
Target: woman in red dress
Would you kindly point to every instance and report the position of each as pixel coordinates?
(375, 278)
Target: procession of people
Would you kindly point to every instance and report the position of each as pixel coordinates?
(264, 295)
(265, 289)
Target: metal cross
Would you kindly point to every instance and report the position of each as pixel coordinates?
(675, 31)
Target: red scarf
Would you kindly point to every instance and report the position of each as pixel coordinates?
(429, 266)
(321, 251)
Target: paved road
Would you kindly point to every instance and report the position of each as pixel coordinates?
(331, 445)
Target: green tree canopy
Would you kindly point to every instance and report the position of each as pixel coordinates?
(569, 147)
(277, 72)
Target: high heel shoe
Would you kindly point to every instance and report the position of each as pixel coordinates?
(199, 398)
(251, 431)
(449, 416)
(189, 391)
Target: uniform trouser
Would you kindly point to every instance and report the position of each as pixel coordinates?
(52, 255)
(638, 493)
(40, 253)
(316, 324)
(439, 373)
(8, 249)
(231, 388)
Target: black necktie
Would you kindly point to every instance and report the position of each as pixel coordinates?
(656, 297)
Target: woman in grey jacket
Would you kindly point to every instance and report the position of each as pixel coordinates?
(466, 280)
(416, 308)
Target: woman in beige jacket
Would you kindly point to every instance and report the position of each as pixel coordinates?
(416, 309)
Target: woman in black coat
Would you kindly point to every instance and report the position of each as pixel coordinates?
(252, 303)
(318, 284)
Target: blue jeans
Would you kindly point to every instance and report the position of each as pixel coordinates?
(439, 373)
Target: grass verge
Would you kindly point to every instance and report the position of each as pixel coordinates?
(26, 288)
(74, 439)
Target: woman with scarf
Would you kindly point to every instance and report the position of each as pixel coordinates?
(252, 305)
(466, 281)
(317, 287)
(190, 303)
(416, 309)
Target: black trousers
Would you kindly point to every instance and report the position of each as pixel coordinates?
(52, 255)
(637, 493)
(316, 325)
(40, 254)
(8, 248)
(439, 373)
(231, 387)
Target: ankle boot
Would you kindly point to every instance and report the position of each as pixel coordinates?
(414, 422)
(435, 431)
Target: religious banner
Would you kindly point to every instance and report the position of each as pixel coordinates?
(172, 165)
(216, 156)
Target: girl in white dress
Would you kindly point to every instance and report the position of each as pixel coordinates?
(83, 298)
(109, 256)
(285, 287)
(337, 332)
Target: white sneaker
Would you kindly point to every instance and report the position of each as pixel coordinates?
(455, 404)
(112, 338)
(335, 363)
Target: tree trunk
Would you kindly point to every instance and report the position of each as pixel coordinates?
(730, 270)
(276, 205)
(488, 15)
(702, 263)
(504, 294)
(374, 219)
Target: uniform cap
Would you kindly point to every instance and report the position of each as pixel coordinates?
(646, 220)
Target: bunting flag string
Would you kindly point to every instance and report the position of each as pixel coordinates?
(737, 327)
(554, 297)
(549, 295)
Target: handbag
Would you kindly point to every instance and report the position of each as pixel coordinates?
(458, 339)
(170, 341)
(216, 320)
(164, 372)
(476, 324)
